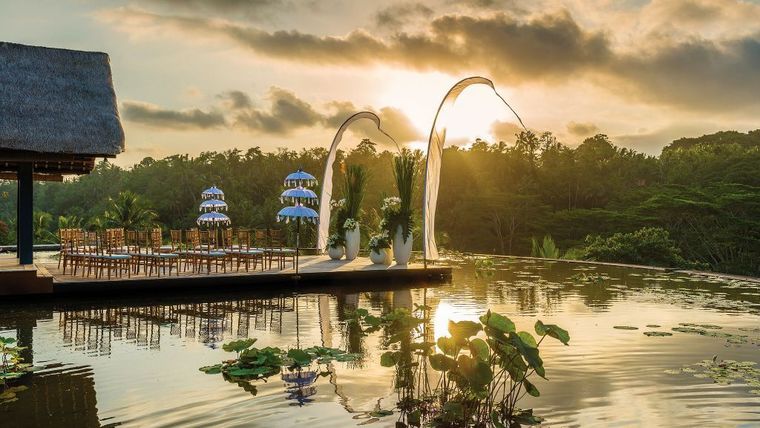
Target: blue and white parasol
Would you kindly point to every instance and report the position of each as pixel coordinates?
(299, 195)
(213, 218)
(213, 192)
(300, 179)
(298, 212)
(213, 205)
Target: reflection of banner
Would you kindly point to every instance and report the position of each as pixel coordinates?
(434, 154)
(327, 185)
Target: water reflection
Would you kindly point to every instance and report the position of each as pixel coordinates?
(139, 358)
(94, 330)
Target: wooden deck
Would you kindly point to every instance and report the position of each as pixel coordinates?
(313, 270)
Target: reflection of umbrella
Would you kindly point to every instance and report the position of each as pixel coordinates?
(213, 218)
(300, 378)
(213, 205)
(213, 192)
(298, 195)
(299, 386)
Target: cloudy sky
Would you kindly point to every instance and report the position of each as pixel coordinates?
(195, 75)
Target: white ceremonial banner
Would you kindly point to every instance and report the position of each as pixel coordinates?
(327, 180)
(434, 154)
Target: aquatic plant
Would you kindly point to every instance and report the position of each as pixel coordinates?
(12, 367)
(589, 278)
(484, 264)
(254, 363)
(480, 381)
(724, 372)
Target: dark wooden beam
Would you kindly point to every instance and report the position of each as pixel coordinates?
(35, 176)
(26, 156)
(24, 214)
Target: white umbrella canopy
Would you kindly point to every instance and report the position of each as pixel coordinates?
(213, 218)
(213, 205)
(299, 195)
(212, 192)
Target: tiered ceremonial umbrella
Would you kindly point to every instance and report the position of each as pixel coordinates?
(213, 202)
(298, 195)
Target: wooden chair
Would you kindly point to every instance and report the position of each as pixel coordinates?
(64, 239)
(261, 237)
(279, 251)
(157, 258)
(205, 255)
(244, 254)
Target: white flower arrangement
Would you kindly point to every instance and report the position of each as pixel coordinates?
(350, 224)
(379, 242)
(335, 240)
(393, 202)
(336, 205)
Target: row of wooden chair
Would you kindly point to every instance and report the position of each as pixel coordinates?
(114, 252)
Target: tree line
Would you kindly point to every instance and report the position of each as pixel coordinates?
(699, 198)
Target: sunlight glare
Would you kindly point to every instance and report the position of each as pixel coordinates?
(471, 117)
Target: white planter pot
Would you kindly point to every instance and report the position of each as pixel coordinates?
(353, 240)
(402, 251)
(383, 257)
(336, 253)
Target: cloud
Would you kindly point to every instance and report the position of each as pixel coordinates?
(579, 129)
(694, 73)
(393, 121)
(697, 74)
(546, 47)
(284, 114)
(652, 141)
(398, 15)
(253, 10)
(236, 100)
(155, 116)
(505, 131)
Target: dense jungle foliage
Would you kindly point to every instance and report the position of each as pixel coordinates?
(699, 201)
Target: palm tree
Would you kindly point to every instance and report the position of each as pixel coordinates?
(69, 222)
(42, 233)
(129, 212)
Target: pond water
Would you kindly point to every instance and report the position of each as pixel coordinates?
(135, 362)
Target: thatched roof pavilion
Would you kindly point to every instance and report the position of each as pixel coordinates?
(57, 109)
(58, 113)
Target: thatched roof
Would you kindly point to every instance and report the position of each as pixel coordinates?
(57, 101)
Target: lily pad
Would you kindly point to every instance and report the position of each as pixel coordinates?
(724, 372)
(625, 327)
(707, 326)
(657, 333)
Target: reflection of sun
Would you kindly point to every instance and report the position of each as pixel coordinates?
(445, 312)
(418, 95)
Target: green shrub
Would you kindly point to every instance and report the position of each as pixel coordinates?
(546, 249)
(646, 246)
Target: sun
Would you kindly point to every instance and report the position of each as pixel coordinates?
(419, 95)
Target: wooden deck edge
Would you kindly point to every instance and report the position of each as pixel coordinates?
(248, 282)
(25, 281)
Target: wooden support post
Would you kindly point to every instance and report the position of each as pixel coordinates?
(24, 214)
